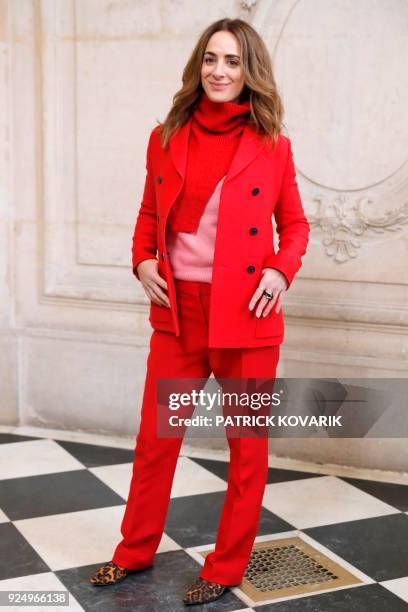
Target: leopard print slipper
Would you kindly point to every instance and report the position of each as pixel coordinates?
(110, 573)
(203, 591)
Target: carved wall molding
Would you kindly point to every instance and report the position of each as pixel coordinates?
(345, 221)
(78, 258)
(248, 5)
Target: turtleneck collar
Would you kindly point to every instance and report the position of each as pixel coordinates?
(219, 117)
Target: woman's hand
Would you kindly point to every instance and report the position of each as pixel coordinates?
(273, 282)
(152, 281)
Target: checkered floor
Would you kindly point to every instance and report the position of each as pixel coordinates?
(61, 505)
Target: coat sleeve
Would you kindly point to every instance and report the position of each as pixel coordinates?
(144, 241)
(291, 224)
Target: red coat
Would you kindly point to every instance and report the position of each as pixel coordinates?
(260, 183)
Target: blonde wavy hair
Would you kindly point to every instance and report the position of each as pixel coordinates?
(259, 84)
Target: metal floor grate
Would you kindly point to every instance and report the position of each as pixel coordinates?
(290, 566)
(284, 566)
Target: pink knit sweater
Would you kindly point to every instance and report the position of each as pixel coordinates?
(192, 253)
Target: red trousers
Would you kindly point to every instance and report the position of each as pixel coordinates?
(188, 356)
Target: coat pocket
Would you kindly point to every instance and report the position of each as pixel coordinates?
(160, 317)
(270, 326)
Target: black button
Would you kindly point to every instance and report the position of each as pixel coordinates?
(162, 256)
(253, 231)
(251, 269)
(159, 179)
(255, 191)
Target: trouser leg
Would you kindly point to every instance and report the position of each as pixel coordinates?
(247, 473)
(155, 457)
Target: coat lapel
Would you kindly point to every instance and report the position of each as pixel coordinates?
(178, 145)
(249, 147)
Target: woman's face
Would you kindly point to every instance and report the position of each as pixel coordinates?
(221, 72)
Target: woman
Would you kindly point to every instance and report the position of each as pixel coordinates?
(217, 170)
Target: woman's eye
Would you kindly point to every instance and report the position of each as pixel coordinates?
(231, 62)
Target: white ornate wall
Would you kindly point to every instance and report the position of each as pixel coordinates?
(339, 69)
(82, 83)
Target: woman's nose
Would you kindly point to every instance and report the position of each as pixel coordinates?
(219, 69)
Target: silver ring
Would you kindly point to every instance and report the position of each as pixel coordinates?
(268, 295)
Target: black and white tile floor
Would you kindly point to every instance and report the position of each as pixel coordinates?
(62, 502)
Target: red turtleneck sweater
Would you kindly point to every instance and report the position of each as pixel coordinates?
(214, 137)
(213, 141)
